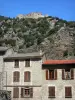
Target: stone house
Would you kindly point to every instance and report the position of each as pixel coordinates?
(24, 78)
(30, 77)
(58, 80)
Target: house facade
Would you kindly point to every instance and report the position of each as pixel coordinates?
(58, 80)
(24, 78)
(30, 77)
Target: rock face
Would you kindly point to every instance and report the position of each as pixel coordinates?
(62, 46)
(32, 15)
(54, 36)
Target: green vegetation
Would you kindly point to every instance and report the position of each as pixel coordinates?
(29, 30)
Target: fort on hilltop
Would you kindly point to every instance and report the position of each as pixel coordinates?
(34, 15)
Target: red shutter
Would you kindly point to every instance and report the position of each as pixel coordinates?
(63, 74)
(31, 92)
(46, 74)
(15, 92)
(22, 93)
(72, 74)
(55, 77)
(27, 76)
(68, 92)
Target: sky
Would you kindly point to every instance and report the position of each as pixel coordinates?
(64, 9)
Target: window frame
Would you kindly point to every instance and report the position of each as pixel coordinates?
(26, 95)
(49, 77)
(70, 73)
(23, 95)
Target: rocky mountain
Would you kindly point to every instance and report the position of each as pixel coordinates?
(54, 36)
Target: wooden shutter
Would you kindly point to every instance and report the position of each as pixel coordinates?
(27, 76)
(63, 74)
(31, 92)
(68, 92)
(46, 74)
(55, 72)
(51, 92)
(72, 74)
(22, 93)
(16, 76)
(15, 92)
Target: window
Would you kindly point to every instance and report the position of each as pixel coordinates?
(16, 92)
(16, 63)
(67, 74)
(27, 63)
(68, 92)
(16, 76)
(51, 74)
(51, 92)
(27, 76)
(27, 92)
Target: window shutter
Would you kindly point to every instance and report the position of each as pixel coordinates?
(63, 74)
(55, 74)
(27, 76)
(18, 75)
(68, 92)
(46, 74)
(14, 76)
(49, 91)
(52, 92)
(31, 92)
(72, 74)
(22, 93)
(15, 92)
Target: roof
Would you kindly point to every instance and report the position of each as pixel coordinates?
(3, 48)
(24, 56)
(51, 62)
